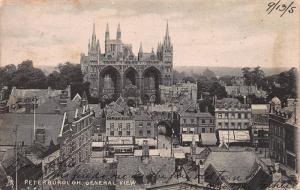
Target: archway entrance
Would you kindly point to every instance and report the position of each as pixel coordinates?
(110, 83)
(130, 77)
(152, 79)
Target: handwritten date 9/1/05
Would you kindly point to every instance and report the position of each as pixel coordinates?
(281, 7)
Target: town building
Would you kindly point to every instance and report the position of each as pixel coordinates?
(111, 70)
(193, 121)
(178, 92)
(18, 97)
(75, 137)
(146, 170)
(235, 169)
(231, 114)
(121, 125)
(260, 127)
(145, 125)
(237, 87)
(283, 133)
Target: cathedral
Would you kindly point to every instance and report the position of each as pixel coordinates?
(119, 72)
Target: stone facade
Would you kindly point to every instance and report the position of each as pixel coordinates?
(231, 114)
(192, 120)
(178, 93)
(110, 72)
(283, 133)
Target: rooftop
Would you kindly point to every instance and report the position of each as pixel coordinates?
(8, 122)
(241, 164)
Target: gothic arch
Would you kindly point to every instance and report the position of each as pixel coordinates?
(114, 87)
(131, 75)
(151, 81)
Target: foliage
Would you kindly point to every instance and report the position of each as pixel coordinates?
(212, 86)
(26, 76)
(208, 73)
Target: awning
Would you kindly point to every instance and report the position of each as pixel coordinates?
(179, 155)
(184, 129)
(150, 141)
(189, 137)
(234, 135)
(208, 138)
(98, 144)
(120, 140)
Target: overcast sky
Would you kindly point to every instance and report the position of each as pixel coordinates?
(203, 32)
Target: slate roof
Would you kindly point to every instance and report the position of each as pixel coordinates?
(53, 103)
(235, 163)
(9, 121)
(92, 171)
(130, 166)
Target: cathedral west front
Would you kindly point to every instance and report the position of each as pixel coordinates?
(119, 72)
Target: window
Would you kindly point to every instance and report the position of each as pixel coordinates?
(120, 127)
(219, 115)
(184, 120)
(233, 125)
(192, 121)
(120, 133)
(192, 129)
(232, 115)
(211, 121)
(239, 125)
(141, 125)
(128, 133)
(203, 120)
(112, 126)
(246, 124)
(220, 125)
(246, 116)
(127, 126)
(148, 124)
(226, 115)
(239, 115)
(203, 130)
(226, 125)
(210, 130)
(141, 133)
(112, 133)
(148, 133)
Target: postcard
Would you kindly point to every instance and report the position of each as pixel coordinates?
(146, 95)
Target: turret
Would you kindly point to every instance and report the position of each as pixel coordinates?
(106, 39)
(140, 54)
(119, 32)
(107, 32)
(167, 48)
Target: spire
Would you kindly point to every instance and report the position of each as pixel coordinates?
(119, 32)
(167, 39)
(141, 48)
(94, 29)
(107, 32)
(167, 30)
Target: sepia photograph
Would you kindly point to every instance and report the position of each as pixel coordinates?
(149, 95)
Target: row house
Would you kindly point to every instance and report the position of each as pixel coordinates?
(231, 114)
(283, 131)
(76, 137)
(192, 120)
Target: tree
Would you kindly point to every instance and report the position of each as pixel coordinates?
(56, 80)
(26, 76)
(247, 75)
(217, 90)
(208, 73)
(71, 72)
(189, 79)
